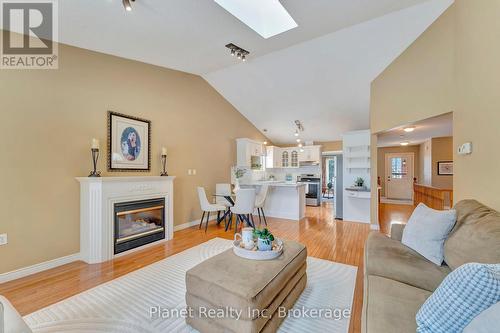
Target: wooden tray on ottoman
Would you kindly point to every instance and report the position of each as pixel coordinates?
(252, 287)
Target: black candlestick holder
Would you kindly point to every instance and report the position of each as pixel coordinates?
(95, 158)
(164, 166)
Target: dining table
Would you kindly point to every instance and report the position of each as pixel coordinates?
(230, 200)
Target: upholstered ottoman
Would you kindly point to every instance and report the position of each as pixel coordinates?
(227, 293)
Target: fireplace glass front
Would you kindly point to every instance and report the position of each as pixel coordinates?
(138, 223)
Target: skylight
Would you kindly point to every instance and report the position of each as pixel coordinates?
(266, 17)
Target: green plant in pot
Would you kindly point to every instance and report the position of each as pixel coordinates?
(264, 239)
(359, 182)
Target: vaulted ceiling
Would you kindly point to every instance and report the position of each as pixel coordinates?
(319, 72)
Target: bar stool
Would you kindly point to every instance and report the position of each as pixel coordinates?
(243, 207)
(260, 200)
(207, 207)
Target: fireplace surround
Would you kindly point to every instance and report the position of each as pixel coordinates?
(148, 206)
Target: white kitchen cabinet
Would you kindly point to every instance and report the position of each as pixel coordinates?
(289, 157)
(285, 158)
(273, 157)
(294, 158)
(310, 154)
(250, 154)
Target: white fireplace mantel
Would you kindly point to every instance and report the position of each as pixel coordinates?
(98, 195)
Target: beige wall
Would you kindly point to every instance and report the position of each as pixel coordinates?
(425, 176)
(330, 145)
(442, 150)
(381, 169)
(453, 66)
(48, 118)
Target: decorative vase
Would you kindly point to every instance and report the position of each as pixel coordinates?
(264, 244)
(236, 185)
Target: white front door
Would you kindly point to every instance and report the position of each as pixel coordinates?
(399, 176)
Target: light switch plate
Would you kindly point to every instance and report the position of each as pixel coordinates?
(3, 239)
(194, 172)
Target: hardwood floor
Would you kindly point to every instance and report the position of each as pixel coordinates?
(393, 213)
(324, 237)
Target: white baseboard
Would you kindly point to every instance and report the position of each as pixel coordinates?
(43, 266)
(374, 227)
(191, 224)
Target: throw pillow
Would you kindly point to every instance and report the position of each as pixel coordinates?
(486, 322)
(463, 294)
(426, 231)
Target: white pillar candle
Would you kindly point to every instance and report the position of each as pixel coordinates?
(163, 151)
(95, 144)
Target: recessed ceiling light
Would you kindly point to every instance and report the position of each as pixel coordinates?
(409, 129)
(265, 142)
(266, 17)
(296, 133)
(404, 143)
(301, 145)
(298, 140)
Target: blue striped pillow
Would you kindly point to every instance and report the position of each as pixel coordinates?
(463, 294)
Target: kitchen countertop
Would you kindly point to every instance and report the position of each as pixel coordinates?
(354, 189)
(275, 183)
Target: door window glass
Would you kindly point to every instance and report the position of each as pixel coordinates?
(399, 167)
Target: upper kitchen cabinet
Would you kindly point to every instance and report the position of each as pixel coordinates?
(273, 157)
(310, 155)
(285, 158)
(294, 158)
(250, 154)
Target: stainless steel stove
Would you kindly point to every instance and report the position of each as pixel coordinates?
(313, 189)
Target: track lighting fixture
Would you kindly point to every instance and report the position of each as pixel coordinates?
(238, 51)
(127, 5)
(299, 129)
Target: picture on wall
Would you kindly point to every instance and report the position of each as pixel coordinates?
(445, 168)
(129, 143)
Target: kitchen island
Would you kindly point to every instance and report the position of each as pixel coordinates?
(285, 200)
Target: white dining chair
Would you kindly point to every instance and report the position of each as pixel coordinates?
(260, 200)
(222, 190)
(243, 207)
(207, 207)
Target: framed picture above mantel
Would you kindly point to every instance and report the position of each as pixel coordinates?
(445, 168)
(129, 143)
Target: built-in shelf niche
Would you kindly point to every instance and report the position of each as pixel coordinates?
(358, 158)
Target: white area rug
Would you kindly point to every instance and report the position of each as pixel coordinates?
(123, 305)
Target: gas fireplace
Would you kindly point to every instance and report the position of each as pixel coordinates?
(138, 223)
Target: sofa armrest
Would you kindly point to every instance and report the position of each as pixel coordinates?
(397, 230)
(10, 319)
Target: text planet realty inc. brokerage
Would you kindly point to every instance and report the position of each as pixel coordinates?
(158, 312)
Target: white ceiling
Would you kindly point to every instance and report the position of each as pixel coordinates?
(190, 35)
(426, 129)
(319, 72)
(324, 82)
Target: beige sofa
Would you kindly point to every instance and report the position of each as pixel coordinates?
(398, 280)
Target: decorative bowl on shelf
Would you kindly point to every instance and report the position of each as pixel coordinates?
(255, 254)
